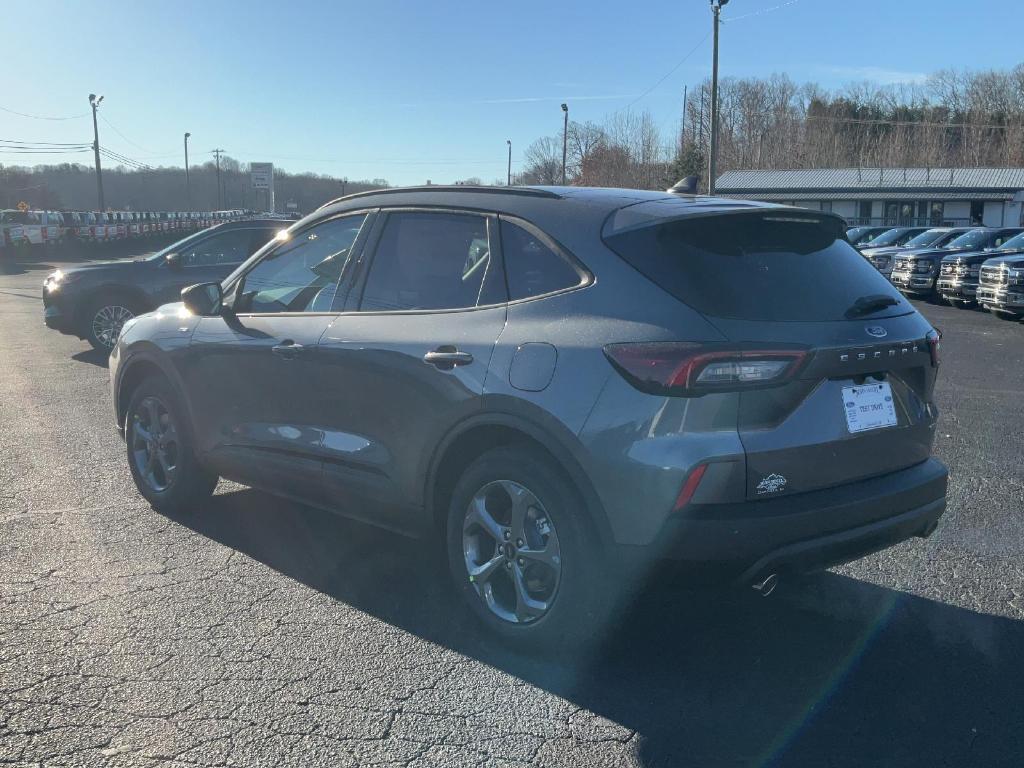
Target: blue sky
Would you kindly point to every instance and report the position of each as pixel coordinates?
(411, 91)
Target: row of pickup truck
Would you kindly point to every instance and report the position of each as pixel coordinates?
(34, 229)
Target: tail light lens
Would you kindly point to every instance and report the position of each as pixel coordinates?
(934, 339)
(692, 369)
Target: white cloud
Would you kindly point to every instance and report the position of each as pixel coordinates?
(879, 75)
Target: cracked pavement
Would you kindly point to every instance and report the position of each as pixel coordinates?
(260, 633)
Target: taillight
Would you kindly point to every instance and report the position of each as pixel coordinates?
(692, 369)
(934, 338)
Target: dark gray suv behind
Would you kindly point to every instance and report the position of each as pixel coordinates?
(553, 382)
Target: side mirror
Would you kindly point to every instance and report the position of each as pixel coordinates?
(173, 260)
(203, 299)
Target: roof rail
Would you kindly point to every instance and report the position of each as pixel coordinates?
(527, 191)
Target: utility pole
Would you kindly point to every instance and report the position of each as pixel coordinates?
(188, 189)
(509, 181)
(716, 10)
(565, 139)
(344, 184)
(682, 136)
(94, 102)
(216, 153)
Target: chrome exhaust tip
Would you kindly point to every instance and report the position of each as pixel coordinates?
(767, 585)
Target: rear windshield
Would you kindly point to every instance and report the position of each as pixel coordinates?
(764, 266)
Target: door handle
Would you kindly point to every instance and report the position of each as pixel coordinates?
(287, 349)
(447, 357)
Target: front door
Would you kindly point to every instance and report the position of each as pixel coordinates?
(408, 358)
(254, 374)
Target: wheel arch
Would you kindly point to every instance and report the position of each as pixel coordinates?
(135, 295)
(479, 433)
(136, 369)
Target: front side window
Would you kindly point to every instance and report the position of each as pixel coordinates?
(531, 267)
(231, 247)
(427, 261)
(302, 274)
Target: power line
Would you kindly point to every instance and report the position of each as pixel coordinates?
(45, 143)
(118, 132)
(912, 123)
(42, 117)
(760, 12)
(667, 75)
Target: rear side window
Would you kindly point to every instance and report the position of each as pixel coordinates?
(429, 261)
(767, 267)
(532, 268)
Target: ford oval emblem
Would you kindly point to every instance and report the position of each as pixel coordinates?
(876, 330)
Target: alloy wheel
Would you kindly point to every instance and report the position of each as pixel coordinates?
(155, 447)
(108, 322)
(511, 552)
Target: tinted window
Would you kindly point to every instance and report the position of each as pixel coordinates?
(232, 247)
(925, 238)
(429, 261)
(531, 267)
(891, 237)
(301, 275)
(755, 266)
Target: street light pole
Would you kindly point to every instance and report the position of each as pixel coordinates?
(94, 102)
(509, 181)
(565, 139)
(716, 9)
(188, 189)
(344, 184)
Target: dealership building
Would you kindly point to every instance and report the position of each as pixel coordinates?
(890, 196)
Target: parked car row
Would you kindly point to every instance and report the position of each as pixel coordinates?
(49, 228)
(965, 266)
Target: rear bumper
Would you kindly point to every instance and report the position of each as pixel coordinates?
(808, 531)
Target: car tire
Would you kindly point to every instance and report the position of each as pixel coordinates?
(104, 317)
(549, 599)
(161, 452)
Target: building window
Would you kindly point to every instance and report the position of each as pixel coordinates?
(977, 212)
(938, 212)
(826, 206)
(865, 210)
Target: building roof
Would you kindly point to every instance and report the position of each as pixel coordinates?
(903, 180)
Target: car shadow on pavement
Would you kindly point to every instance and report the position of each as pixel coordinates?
(93, 357)
(829, 671)
(21, 267)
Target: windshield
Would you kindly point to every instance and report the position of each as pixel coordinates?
(176, 246)
(1015, 243)
(976, 238)
(891, 237)
(759, 266)
(930, 237)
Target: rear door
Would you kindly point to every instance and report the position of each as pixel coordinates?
(408, 359)
(860, 404)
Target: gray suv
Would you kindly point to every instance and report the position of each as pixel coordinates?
(551, 383)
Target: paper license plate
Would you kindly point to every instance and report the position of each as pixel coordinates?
(869, 407)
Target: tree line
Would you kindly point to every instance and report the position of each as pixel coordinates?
(951, 119)
(73, 186)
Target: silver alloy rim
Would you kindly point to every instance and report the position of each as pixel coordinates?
(511, 552)
(108, 322)
(155, 447)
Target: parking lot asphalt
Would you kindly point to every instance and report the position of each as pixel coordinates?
(261, 633)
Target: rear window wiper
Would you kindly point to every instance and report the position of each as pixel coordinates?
(865, 305)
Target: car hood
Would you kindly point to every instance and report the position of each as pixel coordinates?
(969, 257)
(105, 268)
(1010, 260)
(885, 250)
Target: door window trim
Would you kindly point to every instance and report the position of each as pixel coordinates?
(369, 253)
(272, 246)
